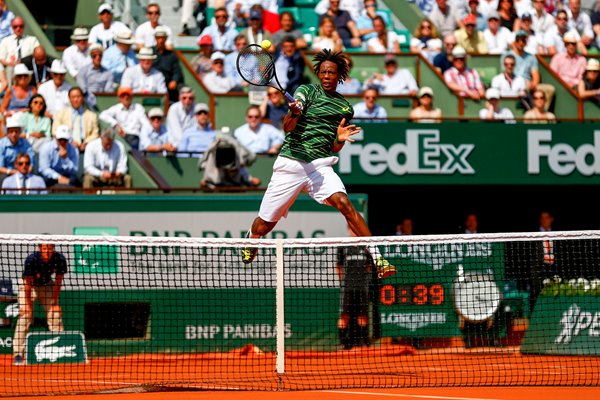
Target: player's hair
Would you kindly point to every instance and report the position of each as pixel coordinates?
(337, 57)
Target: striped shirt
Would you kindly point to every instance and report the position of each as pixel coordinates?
(316, 130)
(468, 79)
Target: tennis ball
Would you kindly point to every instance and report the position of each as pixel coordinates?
(265, 44)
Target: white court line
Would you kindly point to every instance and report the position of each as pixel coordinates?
(419, 396)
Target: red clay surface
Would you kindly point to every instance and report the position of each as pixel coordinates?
(331, 376)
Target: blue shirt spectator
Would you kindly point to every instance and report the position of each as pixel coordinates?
(258, 137)
(5, 20)
(119, 57)
(59, 159)
(155, 138)
(197, 139)
(12, 145)
(368, 110)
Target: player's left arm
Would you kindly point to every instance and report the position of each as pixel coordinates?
(344, 134)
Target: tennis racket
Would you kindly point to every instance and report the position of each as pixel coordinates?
(257, 67)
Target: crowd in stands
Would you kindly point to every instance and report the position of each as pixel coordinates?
(58, 124)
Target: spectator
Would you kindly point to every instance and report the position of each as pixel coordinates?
(507, 83)
(142, 77)
(118, 57)
(145, 34)
(497, 38)
(216, 81)
(368, 110)
(535, 42)
(126, 118)
(197, 139)
(425, 40)
(168, 64)
(274, 107)
(268, 8)
(344, 24)
(257, 136)
(589, 86)
(385, 41)
(23, 181)
(350, 85)
(56, 91)
(37, 127)
(82, 123)
(6, 18)
(538, 113)
(526, 66)
(105, 162)
(181, 115)
(595, 18)
(425, 112)
(471, 224)
(364, 23)
(581, 22)
(94, 78)
(77, 55)
(155, 138)
(11, 145)
(201, 62)
(39, 63)
(59, 160)
(230, 62)
(492, 110)
(461, 79)
(508, 15)
(553, 39)
(486, 7)
(194, 12)
(469, 38)
(328, 37)
(222, 34)
(541, 21)
(480, 19)
(405, 228)
(289, 64)
(446, 19)
(394, 81)
(353, 7)
(17, 46)
(443, 60)
(16, 99)
(569, 66)
(255, 33)
(288, 28)
(105, 32)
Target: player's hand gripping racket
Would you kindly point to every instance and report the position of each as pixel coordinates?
(257, 67)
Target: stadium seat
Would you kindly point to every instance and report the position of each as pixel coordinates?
(309, 18)
(306, 3)
(486, 74)
(363, 73)
(403, 39)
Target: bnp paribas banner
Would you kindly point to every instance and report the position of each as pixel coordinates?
(564, 324)
(473, 153)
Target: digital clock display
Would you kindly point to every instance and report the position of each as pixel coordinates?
(418, 295)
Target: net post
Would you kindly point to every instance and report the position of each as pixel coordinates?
(280, 309)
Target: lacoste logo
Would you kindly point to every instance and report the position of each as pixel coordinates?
(46, 350)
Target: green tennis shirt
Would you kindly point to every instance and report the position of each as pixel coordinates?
(317, 126)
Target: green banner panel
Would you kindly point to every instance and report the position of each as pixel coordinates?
(564, 324)
(472, 154)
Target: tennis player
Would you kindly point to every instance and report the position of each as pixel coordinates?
(317, 126)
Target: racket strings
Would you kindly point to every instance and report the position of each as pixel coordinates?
(256, 66)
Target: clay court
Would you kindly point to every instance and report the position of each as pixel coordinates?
(399, 372)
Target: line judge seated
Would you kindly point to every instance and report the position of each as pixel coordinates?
(105, 162)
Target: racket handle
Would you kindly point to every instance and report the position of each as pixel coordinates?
(289, 97)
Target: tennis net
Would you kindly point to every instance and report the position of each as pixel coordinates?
(137, 314)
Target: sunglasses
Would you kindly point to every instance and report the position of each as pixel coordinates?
(509, 64)
(220, 16)
(18, 26)
(153, 13)
(201, 112)
(253, 116)
(23, 163)
(425, 26)
(538, 98)
(37, 102)
(152, 118)
(369, 97)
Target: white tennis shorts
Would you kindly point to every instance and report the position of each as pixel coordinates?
(290, 177)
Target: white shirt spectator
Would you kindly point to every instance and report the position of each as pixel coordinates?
(554, 38)
(132, 120)
(534, 42)
(96, 160)
(56, 98)
(376, 47)
(503, 113)
(152, 82)
(106, 37)
(74, 59)
(486, 7)
(402, 82)
(498, 43)
(509, 89)
(11, 47)
(217, 83)
(179, 120)
(541, 23)
(144, 35)
(221, 41)
(582, 24)
(265, 137)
